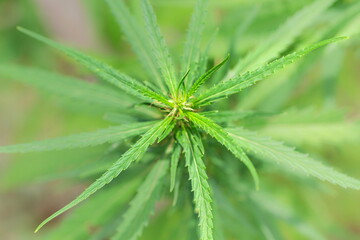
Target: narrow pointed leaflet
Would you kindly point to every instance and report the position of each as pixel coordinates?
(133, 154)
(217, 132)
(240, 82)
(107, 135)
(194, 151)
(206, 76)
(159, 47)
(143, 205)
(105, 72)
(274, 151)
(140, 44)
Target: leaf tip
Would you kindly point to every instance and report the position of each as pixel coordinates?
(37, 229)
(23, 30)
(19, 28)
(340, 38)
(343, 37)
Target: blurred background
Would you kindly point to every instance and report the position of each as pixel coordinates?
(34, 185)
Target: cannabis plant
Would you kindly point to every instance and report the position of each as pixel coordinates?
(189, 140)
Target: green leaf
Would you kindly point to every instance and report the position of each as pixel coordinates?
(283, 36)
(193, 149)
(205, 77)
(158, 46)
(192, 54)
(238, 83)
(175, 157)
(107, 135)
(66, 87)
(134, 33)
(223, 137)
(274, 151)
(142, 206)
(133, 154)
(104, 71)
(25, 170)
(230, 116)
(95, 213)
(181, 83)
(167, 130)
(265, 95)
(312, 127)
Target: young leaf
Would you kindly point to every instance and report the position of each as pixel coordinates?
(271, 150)
(134, 34)
(159, 47)
(126, 83)
(142, 206)
(236, 84)
(66, 87)
(282, 37)
(223, 137)
(193, 149)
(133, 154)
(107, 135)
(175, 156)
(191, 58)
(205, 77)
(182, 82)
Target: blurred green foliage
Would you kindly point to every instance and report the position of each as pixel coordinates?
(327, 81)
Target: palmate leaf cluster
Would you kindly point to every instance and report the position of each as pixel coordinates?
(182, 141)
